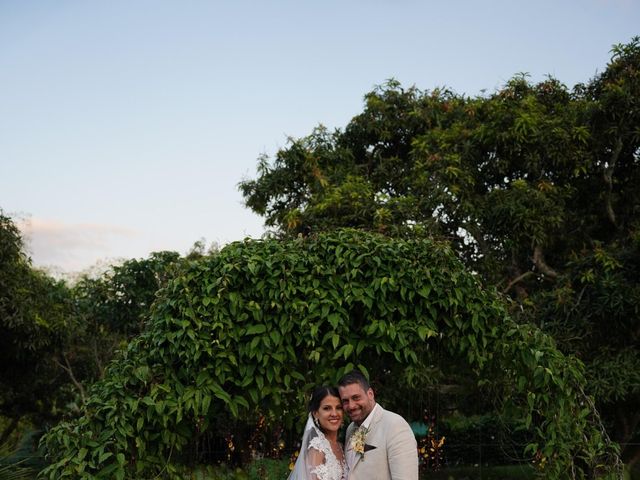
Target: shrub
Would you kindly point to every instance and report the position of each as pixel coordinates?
(246, 333)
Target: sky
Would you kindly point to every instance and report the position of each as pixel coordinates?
(126, 126)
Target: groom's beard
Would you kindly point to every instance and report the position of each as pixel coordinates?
(359, 415)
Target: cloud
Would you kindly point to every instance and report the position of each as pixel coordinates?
(70, 247)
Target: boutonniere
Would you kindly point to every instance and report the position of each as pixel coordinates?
(357, 441)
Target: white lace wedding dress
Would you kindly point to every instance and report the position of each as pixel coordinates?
(307, 466)
(332, 468)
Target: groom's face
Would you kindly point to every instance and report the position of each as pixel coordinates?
(357, 402)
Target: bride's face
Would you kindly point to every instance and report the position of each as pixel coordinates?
(330, 413)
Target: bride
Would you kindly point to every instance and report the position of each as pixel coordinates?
(321, 456)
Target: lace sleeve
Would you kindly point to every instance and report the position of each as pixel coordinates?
(315, 463)
(320, 452)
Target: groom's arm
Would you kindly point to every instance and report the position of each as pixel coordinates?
(402, 451)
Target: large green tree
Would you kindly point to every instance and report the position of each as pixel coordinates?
(536, 187)
(56, 340)
(34, 319)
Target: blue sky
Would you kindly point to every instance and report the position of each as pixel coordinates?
(125, 126)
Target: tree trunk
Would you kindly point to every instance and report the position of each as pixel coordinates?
(608, 179)
(538, 260)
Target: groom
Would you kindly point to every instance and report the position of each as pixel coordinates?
(379, 444)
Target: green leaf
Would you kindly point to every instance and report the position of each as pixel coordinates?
(334, 320)
(426, 332)
(103, 456)
(256, 329)
(81, 454)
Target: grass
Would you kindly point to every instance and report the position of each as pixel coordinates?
(279, 470)
(265, 469)
(506, 472)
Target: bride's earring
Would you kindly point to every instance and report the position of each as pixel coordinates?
(316, 421)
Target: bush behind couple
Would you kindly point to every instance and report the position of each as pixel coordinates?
(379, 444)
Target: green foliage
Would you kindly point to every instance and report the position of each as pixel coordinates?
(121, 297)
(261, 469)
(12, 469)
(34, 316)
(529, 184)
(278, 470)
(268, 468)
(111, 309)
(250, 330)
(55, 340)
(514, 472)
(21, 460)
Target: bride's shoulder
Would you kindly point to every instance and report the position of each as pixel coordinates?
(319, 442)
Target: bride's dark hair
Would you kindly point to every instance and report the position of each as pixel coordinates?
(319, 394)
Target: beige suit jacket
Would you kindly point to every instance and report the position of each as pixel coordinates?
(395, 456)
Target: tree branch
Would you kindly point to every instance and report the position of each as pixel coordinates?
(96, 357)
(538, 261)
(614, 457)
(73, 378)
(575, 307)
(518, 279)
(608, 180)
